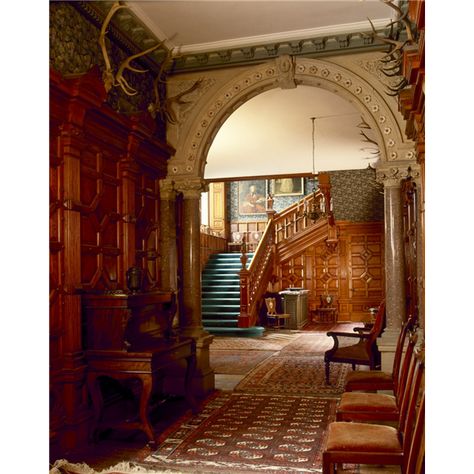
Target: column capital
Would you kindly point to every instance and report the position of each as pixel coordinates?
(391, 175)
(191, 188)
(167, 190)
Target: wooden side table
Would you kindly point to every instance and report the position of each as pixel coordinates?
(144, 365)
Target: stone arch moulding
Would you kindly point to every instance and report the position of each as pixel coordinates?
(190, 159)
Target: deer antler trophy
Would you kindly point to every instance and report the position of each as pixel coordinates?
(110, 78)
(393, 59)
(166, 108)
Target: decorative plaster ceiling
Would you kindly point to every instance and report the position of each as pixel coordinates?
(197, 26)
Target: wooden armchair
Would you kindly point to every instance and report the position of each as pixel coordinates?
(365, 443)
(377, 379)
(364, 352)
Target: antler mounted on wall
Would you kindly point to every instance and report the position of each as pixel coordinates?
(374, 148)
(117, 79)
(392, 61)
(166, 107)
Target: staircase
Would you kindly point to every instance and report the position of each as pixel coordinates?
(221, 296)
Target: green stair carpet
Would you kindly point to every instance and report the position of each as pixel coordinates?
(221, 296)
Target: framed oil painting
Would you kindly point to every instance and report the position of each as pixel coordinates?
(252, 197)
(288, 186)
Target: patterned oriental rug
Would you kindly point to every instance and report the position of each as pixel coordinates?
(269, 342)
(243, 433)
(294, 375)
(310, 344)
(236, 362)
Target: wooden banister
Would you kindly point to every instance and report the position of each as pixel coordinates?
(254, 280)
(281, 227)
(293, 220)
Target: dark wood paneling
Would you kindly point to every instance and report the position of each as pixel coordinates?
(352, 271)
(104, 216)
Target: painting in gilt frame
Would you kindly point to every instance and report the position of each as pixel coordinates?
(288, 186)
(252, 197)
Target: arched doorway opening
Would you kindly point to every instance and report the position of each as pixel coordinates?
(195, 135)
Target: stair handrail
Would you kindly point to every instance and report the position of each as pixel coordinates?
(295, 219)
(253, 281)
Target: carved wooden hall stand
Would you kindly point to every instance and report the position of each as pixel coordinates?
(129, 337)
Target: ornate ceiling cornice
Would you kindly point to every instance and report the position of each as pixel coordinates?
(125, 29)
(130, 33)
(316, 47)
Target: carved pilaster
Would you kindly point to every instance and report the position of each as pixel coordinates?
(392, 173)
(167, 190)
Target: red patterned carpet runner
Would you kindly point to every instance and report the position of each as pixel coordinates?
(238, 362)
(250, 433)
(275, 420)
(294, 375)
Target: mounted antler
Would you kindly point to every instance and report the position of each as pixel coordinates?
(108, 76)
(393, 59)
(113, 80)
(121, 81)
(374, 151)
(177, 99)
(166, 108)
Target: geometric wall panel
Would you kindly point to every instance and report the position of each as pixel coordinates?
(353, 271)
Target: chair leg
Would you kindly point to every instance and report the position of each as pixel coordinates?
(328, 466)
(326, 369)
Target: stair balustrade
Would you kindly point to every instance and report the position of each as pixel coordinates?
(294, 219)
(254, 280)
(281, 228)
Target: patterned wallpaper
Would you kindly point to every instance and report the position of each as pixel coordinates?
(74, 49)
(356, 197)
